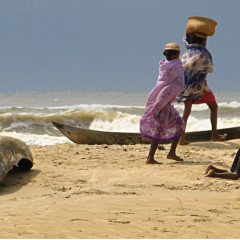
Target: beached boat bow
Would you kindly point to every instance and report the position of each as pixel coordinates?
(87, 136)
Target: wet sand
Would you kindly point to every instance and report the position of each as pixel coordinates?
(100, 191)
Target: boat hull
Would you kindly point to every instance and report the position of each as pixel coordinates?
(14, 152)
(87, 136)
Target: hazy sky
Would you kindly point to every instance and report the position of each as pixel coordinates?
(107, 45)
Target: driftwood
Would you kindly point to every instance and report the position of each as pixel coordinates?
(14, 152)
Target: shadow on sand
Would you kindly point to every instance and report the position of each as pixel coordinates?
(16, 179)
(217, 145)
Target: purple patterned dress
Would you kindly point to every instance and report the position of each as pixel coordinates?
(161, 121)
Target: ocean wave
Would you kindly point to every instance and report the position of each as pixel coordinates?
(195, 124)
(41, 122)
(122, 123)
(41, 140)
(223, 107)
(139, 110)
(35, 123)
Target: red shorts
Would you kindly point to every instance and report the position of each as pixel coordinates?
(206, 97)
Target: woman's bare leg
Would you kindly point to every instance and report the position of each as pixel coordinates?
(217, 170)
(172, 152)
(153, 148)
(225, 175)
(187, 110)
(213, 117)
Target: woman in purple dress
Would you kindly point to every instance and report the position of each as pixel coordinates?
(161, 121)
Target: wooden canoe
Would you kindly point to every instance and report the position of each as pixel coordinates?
(87, 136)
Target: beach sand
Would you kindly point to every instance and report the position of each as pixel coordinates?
(101, 191)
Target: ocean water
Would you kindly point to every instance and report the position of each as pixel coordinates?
(29, 116)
